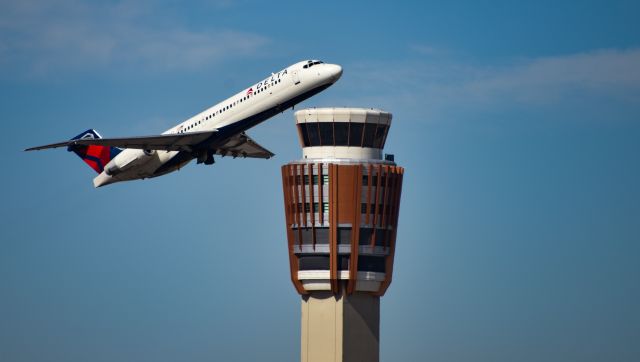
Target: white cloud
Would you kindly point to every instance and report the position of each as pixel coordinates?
(44, 37)
(436, 87)
(551, 78)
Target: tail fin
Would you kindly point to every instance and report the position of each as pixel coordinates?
(95, 156)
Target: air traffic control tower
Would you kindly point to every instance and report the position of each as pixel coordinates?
(342, 201)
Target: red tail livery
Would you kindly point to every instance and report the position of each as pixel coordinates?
(94, 155)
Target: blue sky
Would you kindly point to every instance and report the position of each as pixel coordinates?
(518, 125)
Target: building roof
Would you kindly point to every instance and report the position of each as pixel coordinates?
(343, 114)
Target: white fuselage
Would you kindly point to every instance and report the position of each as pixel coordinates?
(239, 112)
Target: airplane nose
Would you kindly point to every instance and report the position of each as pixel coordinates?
(336, 72)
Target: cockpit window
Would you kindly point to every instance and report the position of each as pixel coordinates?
(312, 63)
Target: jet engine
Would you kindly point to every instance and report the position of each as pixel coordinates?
(125, 161)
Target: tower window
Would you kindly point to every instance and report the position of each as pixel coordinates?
(314, 134)
(341, 133)
(326, 133)
(355, 134)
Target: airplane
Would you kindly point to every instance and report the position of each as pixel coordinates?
(218, 130)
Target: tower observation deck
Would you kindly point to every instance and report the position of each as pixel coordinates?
(342, 202)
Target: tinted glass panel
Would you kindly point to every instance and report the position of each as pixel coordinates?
(341, 133)
(313, 262)
(314, 136)
(379, 137)
(355, 134)
(386, 133)
(380, 237)
(322, 235)
(371, 263)
(365, 236)
(307, 237)
(296, 236)
(303, 134)
(326, 133)
(344, 235)
(369, 134)
(343, 262)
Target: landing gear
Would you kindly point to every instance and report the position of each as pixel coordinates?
(209, 160)
(206, 157)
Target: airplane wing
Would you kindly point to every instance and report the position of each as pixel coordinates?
(242, 145)
(239, 145)
(167, 142)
